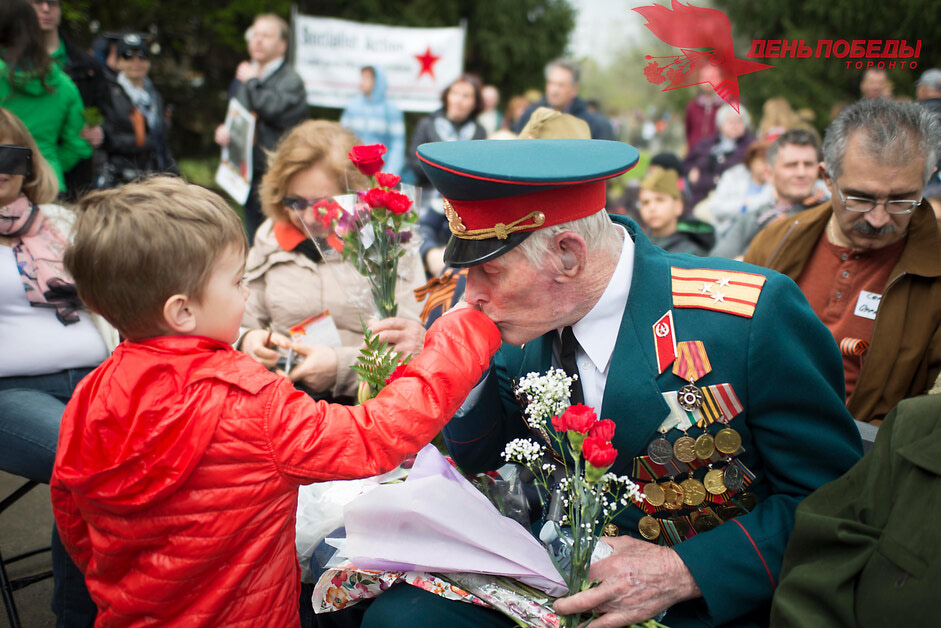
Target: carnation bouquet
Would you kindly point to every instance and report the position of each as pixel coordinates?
(371, 229)
(374, 234)
(587, 497)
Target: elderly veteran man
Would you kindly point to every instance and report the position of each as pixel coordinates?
(869, 261)
(569, 287)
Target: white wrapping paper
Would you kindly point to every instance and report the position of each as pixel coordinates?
(436, 521)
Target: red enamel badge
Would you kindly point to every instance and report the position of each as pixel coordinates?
(665, 341)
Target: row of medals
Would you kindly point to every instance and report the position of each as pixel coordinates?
(691, 493)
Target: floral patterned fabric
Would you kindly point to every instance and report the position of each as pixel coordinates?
(346, 585)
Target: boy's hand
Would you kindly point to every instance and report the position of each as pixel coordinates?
(406, 336)
(253, 344)
(318, 370)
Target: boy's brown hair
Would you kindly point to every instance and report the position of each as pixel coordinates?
(136, 246)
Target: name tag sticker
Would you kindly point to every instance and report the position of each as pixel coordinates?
(867, 304)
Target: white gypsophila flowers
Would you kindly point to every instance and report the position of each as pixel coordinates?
(523, 451)
(628, 490)
(545, 395)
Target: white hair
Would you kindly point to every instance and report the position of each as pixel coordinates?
(726, 110)
(597, 230)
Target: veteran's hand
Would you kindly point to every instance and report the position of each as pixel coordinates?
(639, 581)
(407, 336)
(318, 370)
(254, 344)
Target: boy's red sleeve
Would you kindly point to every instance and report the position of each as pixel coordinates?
(72, 528)
(317, 441)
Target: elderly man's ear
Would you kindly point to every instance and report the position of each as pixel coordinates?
(570, 254)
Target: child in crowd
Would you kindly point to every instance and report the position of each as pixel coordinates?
(179, 459)
(661, 207)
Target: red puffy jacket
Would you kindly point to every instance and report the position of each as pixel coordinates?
(179, 458)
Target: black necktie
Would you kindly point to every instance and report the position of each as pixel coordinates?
(567, 357)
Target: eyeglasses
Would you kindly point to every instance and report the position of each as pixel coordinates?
(140, 54)
(300, 204)
(864, 205)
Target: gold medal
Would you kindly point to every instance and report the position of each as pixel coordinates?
(694, 492)
(705, 446)
(683, 449)
(728, 511)
(673, 495)
(704, 521)
(728, 441)
(713, 482)
(611, 530)
(747, 501)
(649, 528)
(654, 494)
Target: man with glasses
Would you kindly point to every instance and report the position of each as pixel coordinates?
(269, 87)
(869, 260)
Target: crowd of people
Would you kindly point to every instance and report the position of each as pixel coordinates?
(155, 400)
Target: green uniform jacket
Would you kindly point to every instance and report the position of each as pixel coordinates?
(866, 549)
(785, 369)
(54, 116)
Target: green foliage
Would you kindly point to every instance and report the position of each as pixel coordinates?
(820, 83)
(376, 361)
(508, 43)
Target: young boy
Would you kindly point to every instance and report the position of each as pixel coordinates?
(661, 207)
(179, 458)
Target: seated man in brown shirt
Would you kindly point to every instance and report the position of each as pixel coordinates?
(869, 260)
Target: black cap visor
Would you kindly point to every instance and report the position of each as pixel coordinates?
(461, 253)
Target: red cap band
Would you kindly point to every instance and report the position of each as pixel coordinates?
(558, 205)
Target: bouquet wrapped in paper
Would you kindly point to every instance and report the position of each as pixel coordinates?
(436, 521)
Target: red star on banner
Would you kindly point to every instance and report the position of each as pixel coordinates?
(427, 61)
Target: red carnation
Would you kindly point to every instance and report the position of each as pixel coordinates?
(559, 424)
(579, 418)
(376, 197)
(603, 430)
(397, 373)
(398, 203)
(388, 180)
(598, 453)
(368, 159)
(327, 211)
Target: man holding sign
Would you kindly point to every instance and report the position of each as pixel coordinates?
(273, 92)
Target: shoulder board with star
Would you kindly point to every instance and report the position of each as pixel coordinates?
(732, 292)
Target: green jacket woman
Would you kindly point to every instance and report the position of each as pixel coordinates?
(52, 111)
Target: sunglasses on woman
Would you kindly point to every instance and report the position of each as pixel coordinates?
(140, 54)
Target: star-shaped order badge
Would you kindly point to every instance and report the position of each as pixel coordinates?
(704, 37)
(427, 61)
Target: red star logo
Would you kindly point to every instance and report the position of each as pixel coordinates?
(427, 61)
